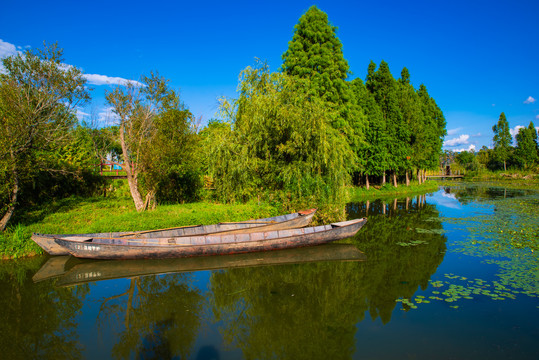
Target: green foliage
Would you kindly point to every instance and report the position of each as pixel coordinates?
(468, 160)
(315, 54)
(38, 94)
(277, 140)
(526, 151)
(158, 141)
(502, 140)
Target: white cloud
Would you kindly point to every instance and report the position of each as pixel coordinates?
(453, 131)
(105, 117)
(7, 49)
(81, 115)
(461, 140)
(470, 148)
(96, 79)
(536, 117)
(529, 100)
(514, 131)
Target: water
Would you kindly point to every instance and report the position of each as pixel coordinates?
(449, 275)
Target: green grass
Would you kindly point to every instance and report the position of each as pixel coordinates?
(357, 194)
(117, 213)
(98, 214)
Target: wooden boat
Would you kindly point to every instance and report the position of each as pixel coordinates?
(70, 271)
(205, 245)
(288, 221)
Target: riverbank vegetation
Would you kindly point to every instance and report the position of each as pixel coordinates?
(306, 135)
(504, 161)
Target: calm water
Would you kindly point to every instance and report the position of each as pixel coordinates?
(449, 275)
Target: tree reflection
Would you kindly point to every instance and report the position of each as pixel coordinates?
(311, 310)
(157, 317)
(37, 321)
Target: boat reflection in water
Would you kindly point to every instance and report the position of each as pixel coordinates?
(73, 271)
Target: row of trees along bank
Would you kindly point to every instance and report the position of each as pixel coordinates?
(523, 156)
(304, 132)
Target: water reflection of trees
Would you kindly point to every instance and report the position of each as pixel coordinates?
(311, 310)
(37, 321)
(156, 317)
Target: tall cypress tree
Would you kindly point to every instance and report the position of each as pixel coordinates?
(502, 140)
(315, 57)
(385, 91)
(413, 121)
(526, 149)
(374, 155)
(315, 53)
(429, 148)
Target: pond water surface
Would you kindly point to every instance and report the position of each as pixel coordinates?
(448, 275)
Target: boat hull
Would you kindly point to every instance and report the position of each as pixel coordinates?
(211, 245)
(289, 221)
(78, 271)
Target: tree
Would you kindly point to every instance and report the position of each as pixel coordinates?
(374, 155)
(502, 140)
(276, 139)
(155, 133)
(428, 151)
(315, 53)
(415, 125)
(38, 97)
(385, 91)
(526, 149)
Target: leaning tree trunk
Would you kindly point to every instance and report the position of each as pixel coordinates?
(13, 199)
(132, 175)
(407, 178)
(11, 208)
(367, 182)
(394, 175)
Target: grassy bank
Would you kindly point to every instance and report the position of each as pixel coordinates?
(358, 194)
(511, 179)
(117, 213)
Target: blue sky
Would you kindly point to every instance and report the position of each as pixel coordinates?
(477, 58)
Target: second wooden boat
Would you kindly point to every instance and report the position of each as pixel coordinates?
(215, 244)
(281, 222)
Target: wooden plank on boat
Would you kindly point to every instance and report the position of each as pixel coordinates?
(78, 238)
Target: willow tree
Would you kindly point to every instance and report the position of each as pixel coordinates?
(502, 140)
(38, 97)
(155, 134)
(278, 140)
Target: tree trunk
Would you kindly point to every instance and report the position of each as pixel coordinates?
(13, 198)
(383, 178)
(424, 176)
(394, 175)
(132, 174)
(11, 208)
(504, 166)
(419, 176)
(407, 179)
(367, 182)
